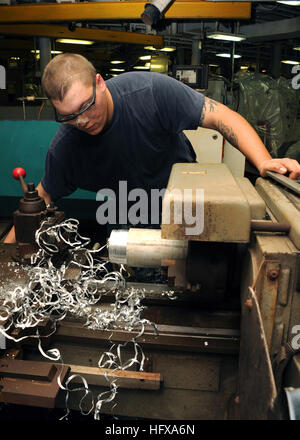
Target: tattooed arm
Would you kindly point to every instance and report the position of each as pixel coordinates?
(241, 135)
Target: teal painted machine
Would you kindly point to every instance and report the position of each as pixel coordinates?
(25, 144)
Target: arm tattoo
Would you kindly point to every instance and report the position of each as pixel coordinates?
(212, 104)
(228, 133)
(209, 105)
(203, 113)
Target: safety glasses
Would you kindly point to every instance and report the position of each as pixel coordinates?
(71, 117)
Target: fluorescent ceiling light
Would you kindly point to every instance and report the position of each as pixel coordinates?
(164, 49)
(54, 52)
(290, 62)
(244, 67)
(167, 49)
(296, 48)
(225, 36)
(227, 55)
(71, 41)
(117, 70)
(117, 62)
(291, 2)
(142, 67)
(150, 48)
(145, 57)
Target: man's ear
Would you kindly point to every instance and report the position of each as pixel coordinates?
(100, 82)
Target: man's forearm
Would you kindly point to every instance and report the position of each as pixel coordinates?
(242, 136)
(236, 130)
(43, 194)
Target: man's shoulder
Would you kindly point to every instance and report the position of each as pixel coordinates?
(131, 82)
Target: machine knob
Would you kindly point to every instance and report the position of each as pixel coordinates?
(32, 203)
(19, 174)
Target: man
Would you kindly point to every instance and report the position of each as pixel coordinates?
(130, 128)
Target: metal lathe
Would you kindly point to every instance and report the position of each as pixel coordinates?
(228, 342)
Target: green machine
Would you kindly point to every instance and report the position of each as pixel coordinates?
(25, 144)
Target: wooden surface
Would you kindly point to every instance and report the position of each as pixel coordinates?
(125, 379)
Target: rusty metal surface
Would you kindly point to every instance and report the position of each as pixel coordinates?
(285, 181)
(269, 226)
(30, 383)
(224, 210)
(282, 207)
(188, 339)
(272, 284)
(196, 386)
(266, 288)
(257, 390)
(210, 381)
(27, 370)
(256, 203)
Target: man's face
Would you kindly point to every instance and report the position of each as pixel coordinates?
(93, 120)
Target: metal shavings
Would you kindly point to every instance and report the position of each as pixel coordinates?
(105, 397)
(87, 393)
(170, 294)
(114, 360)
(50, 294)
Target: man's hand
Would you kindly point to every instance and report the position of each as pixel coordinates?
(281, 166)
(11, 236)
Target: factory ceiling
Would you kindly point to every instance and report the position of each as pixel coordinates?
(119, 30)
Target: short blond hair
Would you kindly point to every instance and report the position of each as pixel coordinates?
(62, 70)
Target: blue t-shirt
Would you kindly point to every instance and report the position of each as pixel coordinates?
(142, 142)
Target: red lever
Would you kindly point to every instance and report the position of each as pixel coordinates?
(19, 174)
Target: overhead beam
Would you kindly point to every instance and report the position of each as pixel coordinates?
(58, 31)
(273, 30)
(116, 10)
(14, 47)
